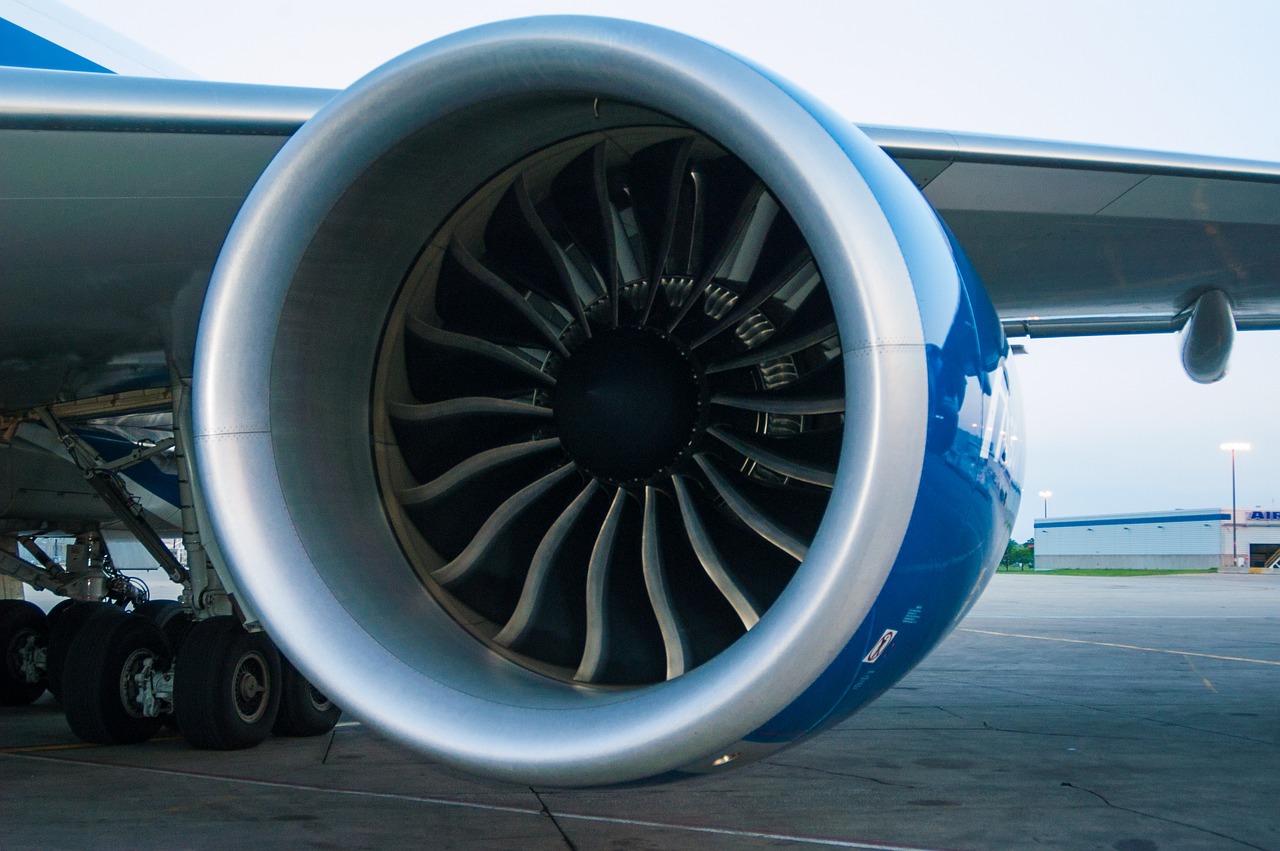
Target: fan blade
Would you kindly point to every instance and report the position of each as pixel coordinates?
(655, 581)
(776, 349)
(595, 653)
(441, 486)
(463, 344)
(466, 406)
(750, 514)
(802, 266)
(742, 222)
(552, 250)
(506, 515)
(776, 461)
(544, 559)
(676, 174)
(509, 295)
(708, 556)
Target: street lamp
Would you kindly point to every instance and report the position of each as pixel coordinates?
(1233, 448)
(1045, 496)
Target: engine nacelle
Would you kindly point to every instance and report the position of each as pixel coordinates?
(581, 405)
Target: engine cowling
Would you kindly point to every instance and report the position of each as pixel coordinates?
(580, 404)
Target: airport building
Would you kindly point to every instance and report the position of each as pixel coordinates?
(1182, 539)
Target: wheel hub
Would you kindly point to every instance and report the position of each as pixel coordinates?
(20, 654)
(627, 404)
(131, 685)
(250, 687)
(319, 702)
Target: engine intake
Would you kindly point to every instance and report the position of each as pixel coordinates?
(561, 398)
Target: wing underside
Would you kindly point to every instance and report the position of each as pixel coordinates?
(1077, 240)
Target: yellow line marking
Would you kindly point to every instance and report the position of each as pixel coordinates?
(75, 746)
(1202, 677)
(35, 748)
(1123, 646)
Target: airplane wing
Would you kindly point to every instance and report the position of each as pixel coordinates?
(117, 195)
(1078, 239)
(133, 182)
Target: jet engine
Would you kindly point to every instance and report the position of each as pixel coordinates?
(581, 404)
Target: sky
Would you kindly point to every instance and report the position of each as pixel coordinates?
(1113, 424)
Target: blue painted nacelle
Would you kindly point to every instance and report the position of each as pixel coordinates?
(970, 489)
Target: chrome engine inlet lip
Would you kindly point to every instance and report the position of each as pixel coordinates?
(453, 699)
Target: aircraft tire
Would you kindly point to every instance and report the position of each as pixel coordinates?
(19, 622)
(304, 710)
(159, 612)
(62, 632)
(99, 694)
(176, 628)
(226, 685)
(56, 612)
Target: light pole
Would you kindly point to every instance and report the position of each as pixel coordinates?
(1233, 448)
(1045, 496)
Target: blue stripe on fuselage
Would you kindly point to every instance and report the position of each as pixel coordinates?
(162, 484)
(21, 48)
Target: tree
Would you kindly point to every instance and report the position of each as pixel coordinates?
(1016, 553)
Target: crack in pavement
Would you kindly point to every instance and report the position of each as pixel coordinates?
(831, 773)
(546, 811)
(1060, 735)
(1105, 710)
(898, 728)
(325, 759)
(1167, 820)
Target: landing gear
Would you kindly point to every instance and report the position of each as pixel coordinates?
(108, 691)
(226, 685)
(63, 632)
(24, 639)
(121, 676)
(158, 611)
(304, 710)
(117, 674)
(56, 612)
(174, 621)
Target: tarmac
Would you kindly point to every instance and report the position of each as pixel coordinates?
(1129, 714)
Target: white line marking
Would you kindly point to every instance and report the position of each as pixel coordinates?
(471, 805)
(1122, 646)
(746, 834)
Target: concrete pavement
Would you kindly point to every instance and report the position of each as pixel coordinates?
(1129, 714)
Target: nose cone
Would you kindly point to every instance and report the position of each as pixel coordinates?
(626, 404)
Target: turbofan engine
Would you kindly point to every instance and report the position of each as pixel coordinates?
(580, 404)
